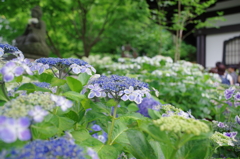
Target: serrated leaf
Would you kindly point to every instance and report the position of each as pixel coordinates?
(43, 130)
(84, 77)
(80, 135)
(108, 152)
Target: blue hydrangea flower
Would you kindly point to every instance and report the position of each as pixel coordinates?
(10, 70)
(229, 92)
(6, 48)
(70, 64)
(148, 103)
(56, 148)
(120, 87)
(11, 129)
(102, 135)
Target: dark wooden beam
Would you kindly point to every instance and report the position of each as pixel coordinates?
(225, 11)
(223, 29)
(201, 50)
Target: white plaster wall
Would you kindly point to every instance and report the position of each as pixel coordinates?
(214, 47)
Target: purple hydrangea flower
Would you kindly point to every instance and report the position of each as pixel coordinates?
(229, 92)
(8, 48)
(147, 103)
(62, 102)
(237, 96)
(230, 134)
(10, 70)
(82, 69)
(237, 119)
(38, 113)
(11, 129)
(221, 125)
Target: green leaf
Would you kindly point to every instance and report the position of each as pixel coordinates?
(74, 84)
(80, 135)
(111, 103)
(57, 82)
(43, 130)
(140, 147)
(132, 107)
(118, 134)
(29, 87)
(108, 152)
(83, 77)
(72, 115)
(19, 79)
(74, 96)
(45, 77)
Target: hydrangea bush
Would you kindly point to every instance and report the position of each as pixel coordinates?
(67, 111)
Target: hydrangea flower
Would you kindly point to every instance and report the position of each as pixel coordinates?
(119, 87)
(62, 102)
(237, 119)
(92, 153)
(68, 64)
(25, 105)
(38, 113)
(10, 70)
(11, 129)
(148, 103)
(102, 135)
(229, 92)
(6, 48)
(56, 148)
(221, 139)
(178, 124)
(230, 134)
(237, 96)
(221, 125)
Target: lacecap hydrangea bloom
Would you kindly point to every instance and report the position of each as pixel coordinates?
(171, 110)
(47, 149)
(179, 124)
(118, 87)
(221, 139)
(67, 64)
(148, 103)
(34, 105)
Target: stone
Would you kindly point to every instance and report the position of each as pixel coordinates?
(33, 41)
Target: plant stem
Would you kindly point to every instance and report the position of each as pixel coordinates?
(112, 125)
(3, 88)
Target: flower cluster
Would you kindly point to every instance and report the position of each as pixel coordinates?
(179, 124)
(55, 148)
(170, 110)
(118, 87)
(148, 103)
(6, 48)
(11, 129)
(101, 135)
(34, 105)
(70, 64)
(221, 139)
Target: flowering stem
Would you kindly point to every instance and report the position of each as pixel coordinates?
(112, 125)
(3, 89)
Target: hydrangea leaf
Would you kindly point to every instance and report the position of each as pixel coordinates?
(83, 78)
(80, 135)
(108, 152)
(29, 87)
(132, 107)
(45, 77)
(43, 130)
(111, 103)
(74, 96)
(74, 84)
(140, 147)
(57, 82)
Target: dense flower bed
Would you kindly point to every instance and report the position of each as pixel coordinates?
(58, 108)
